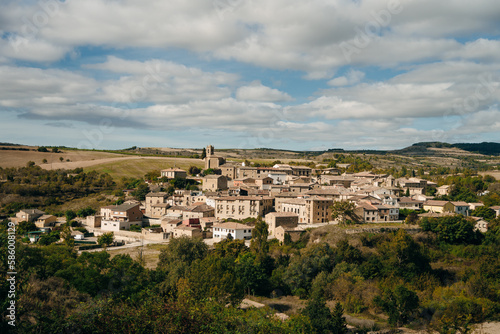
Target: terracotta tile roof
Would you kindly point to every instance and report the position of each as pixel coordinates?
(233, 225)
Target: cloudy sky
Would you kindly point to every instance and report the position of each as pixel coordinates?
(288, 74)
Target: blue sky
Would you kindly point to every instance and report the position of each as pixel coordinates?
(320, 74)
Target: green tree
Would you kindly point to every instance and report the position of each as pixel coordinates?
(459, 316)
(135, 228)
(259, 244)
(49, 238)
(88, 211)
(183, 249)
(348, 253)
(411, 218)
(61, 159)
(231, 248)
(42, 149)
(203, 153)
(251, 274)
(106, 239)
(217, 279)
(70, 215)
(303, 268)
(319, 314)
(339, 325)
(484, 212)
(193, 170)
(343, 210)
(399, 304)
(176, 260)
(44, 161)
(141, 192)
(68, 238)
(25, 227)
(212, 171)
(152, 175)
(453, 230)
(404, 257)
(404, 171)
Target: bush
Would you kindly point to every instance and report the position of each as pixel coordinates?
(135, 228)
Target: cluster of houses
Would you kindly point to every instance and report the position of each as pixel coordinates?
(289, 198)
(44, 222)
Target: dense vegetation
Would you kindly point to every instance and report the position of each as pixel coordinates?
(34, 187)
(445, 277)
(472, 189)
(47, 190)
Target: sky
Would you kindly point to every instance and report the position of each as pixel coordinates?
(286, 74)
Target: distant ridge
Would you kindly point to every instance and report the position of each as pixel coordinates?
(487, 148)
(421, 148)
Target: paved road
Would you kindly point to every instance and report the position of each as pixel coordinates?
(88, 163)
(131, 245)
(209, 242)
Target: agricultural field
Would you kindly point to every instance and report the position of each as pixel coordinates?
(14, 158)
(136, 167)
(150, 254)
(494, 173)
(117, 165)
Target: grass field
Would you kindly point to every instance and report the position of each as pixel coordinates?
(150, 254)
(494, 173)
(94, 201)
(137, 167)
(117, 165)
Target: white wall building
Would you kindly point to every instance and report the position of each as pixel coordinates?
(237, 231)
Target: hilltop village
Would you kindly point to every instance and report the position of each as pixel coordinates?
(230, 246)
(289, 198)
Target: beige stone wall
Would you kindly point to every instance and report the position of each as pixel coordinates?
(242, 208)
(275, 220)
(50, 221)
(214, 184)
(228, 171)
(178, 233)
(319, 210)
(93, 221)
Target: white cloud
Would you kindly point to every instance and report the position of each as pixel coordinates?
(162, 82)
(445, 70)
(353, 77)
(304, 36)
(20, 48)
(258, 92)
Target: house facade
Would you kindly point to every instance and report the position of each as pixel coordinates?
(311, 210)
(373, 213)
(173, 173)
(288, 220)
(45, 221)
(121, 217)
(214, 183)
(435, 206)
(241, 207)
(236, 230)
(152, 200)
(29, 215)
